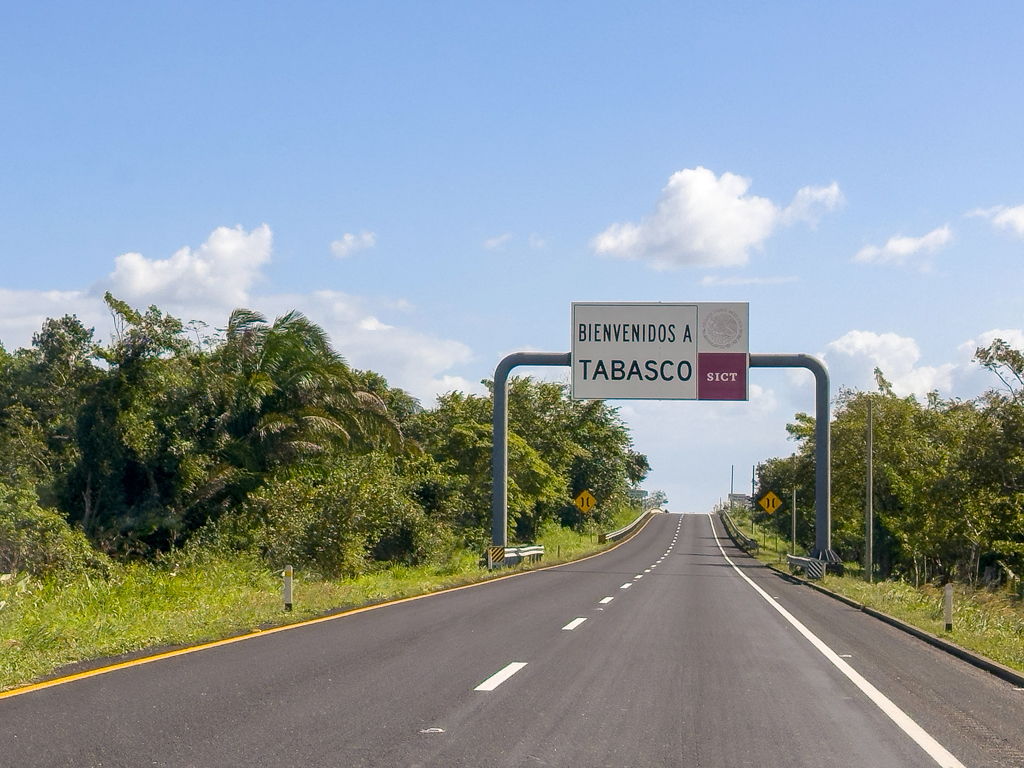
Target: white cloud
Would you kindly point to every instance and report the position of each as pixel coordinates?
(811, 203)
(704, 220)
(536, 241)
(854, 357)
(447, 384)
(985, 213)
(899, 249)
(371, 323)
(207, 283)
(498, 241)
(218, 274)
(1011, 218)
(1003, 217)
(1012, 336)
(715, 280)
(350, 243)
(402, 305)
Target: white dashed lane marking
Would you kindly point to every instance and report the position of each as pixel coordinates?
(500, 676)
(573, 624)
(606, 600)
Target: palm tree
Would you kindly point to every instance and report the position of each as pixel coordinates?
(287, 392)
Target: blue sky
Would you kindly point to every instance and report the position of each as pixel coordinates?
(430, 182)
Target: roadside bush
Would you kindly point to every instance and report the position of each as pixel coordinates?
(40, 540)
(337, 520)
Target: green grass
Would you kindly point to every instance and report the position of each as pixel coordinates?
(990, 622)
(46, 625)
(562, 544)
(987, 621)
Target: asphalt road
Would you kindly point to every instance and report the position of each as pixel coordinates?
(657, 653)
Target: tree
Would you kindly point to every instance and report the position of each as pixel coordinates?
(163, 432)
(288, 391)
(655, 500)
(949, 474)
(557, 447)
(144, 433)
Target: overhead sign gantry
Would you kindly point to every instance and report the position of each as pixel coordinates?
(663, 351)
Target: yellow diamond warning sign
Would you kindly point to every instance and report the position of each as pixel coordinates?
(770, 502)
(585, 501)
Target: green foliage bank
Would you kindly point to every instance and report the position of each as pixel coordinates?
(948, 479)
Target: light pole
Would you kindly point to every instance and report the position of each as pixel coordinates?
(753, 474)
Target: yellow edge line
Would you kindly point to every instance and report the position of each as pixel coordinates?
(274, 630)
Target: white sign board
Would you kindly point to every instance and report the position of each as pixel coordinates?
(660, 351)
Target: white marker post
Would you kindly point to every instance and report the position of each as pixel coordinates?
(287, 587)
(949, 607)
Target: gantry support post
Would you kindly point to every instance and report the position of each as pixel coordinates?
(822, 446)
(499, 455)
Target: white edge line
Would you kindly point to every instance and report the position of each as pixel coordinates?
(500, 676)
(573, 624)
(935, 751)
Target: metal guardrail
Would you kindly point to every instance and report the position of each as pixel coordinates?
(812, 567)
(535, 552)
(742, 540)
(516, 555)
(815, 569)
(626, 530)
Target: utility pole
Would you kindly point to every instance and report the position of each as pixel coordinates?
(753, 472)
(732, 480)
(869, 515)
(792, 544)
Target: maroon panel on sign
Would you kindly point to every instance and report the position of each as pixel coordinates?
(723, 376)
